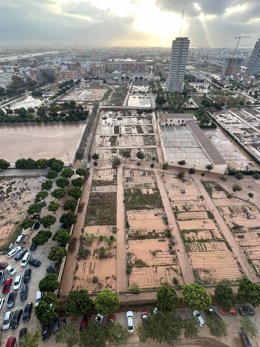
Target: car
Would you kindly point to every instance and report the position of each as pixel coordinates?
(27, 276)
(36, 216)
(2, 277)
(33, 246)
(7, 320)
(24, 292)
(27, 311)
(246, 310)
(25, 259)
(111, 318)
(212, 313)
(11, 300)
(20, 239)
(232, 311)
(14, 251)
(37, 225)
(17, 282)
(10, 270)
(38, 297)
(34, 262)
(244, 339)
(130, 321)
(11, 342)
(3, 265)
(16, 318)
(50, 270)
(46, 333)
(22, 333)
(155, 310)
(83, 323)
(55, 326)
(199, 318)
(2, 301)
(144, 316)
(20, 254)
(99, 318)
(7, 285)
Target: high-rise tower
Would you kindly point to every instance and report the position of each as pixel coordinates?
(254, 62)
(179, 57)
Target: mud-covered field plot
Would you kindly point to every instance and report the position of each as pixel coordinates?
(84, 94)
(16, 194)
(151, 259)
(124, 133)
(210, 255)
(243, 219)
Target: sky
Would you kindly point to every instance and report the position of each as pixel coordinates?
(126, 23)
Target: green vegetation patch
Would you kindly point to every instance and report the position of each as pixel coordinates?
(136, 200)
(101, 209)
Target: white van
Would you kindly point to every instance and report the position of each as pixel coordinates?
(26, 259)
(20, 239)
(38, 297)
(14, 251)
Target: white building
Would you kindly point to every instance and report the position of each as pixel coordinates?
(254, 62)
(174, 119)
(179, 57)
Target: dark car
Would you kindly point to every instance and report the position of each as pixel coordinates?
(37, 225)
(24, 292)
(244, 339)
(20, 254)
(27, 311)
(56, 326)
(50, 270)
(22, 333)
(7, 285)
(212, 313)
(46, 333)
(3, 265)
(16, 318)
(246, 310)
(11, 300)
(83, 323)
(33, 246)
(2, 277)
(27, 276)
(34, 262)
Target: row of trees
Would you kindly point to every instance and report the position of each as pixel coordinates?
(4, 164)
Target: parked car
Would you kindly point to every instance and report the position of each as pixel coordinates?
(130, 321)
(3, 265)
(16, 318)
(144, 316)
(11, 300)
(7, 320)
(83, 323)
(99, 318)
(46, 333)
(244, 339)
(37, 225)
(7, 285)
(246, 310)
(38, 297)
(27, 311)
(24, 292)
(2, 301)
(10, 270)
(27, 276)
(232, 311)
(20, 239)
(11, 342)
(22, 333)
(17, 282)
(2, 277)
(20, 254)
(26, 259)
(50, 270)
(199, 318)
(14, 251)
(34, 262)
(212, 313)
(155, 310)
(55, 326)
(33, 246)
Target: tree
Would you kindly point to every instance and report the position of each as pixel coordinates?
(34, 208)
(58, 193)
(126, 153)
(57, 254)
(79, 154)
(191, 170)
(115, 162)
(163, 327)
(52, 174)
(55, 164)
(48, 220)
(181, 175)
(167, 298)
(53, 206)
(239, 176)
(47, 309)
(41, 195)
(47, 185)
(95, 156)
(67, 172)
(249, 326)
(82, 172)
(77, 182)
(70, 205)
(30, 339)
(224, 296)
(62, 182)
(256, 176)
(42, 237)
(4, 164)
(27, 223)
(236, 188)
(78, 303)
(94, 336)
(182, 162)
(67, 335)
(140, 155)
(209, 166)
(117, 335)
(107, 301)
(191, 328)
(217, 327)
(196, 297)
(42, 163)
(62, 236)
(49, 283)
(75, 192)
(249, 292)
(68, 219)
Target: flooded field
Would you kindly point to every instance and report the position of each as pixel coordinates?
(39, 141)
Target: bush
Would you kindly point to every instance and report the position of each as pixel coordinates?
(62, 236)
(58, 193)
(82, 172)
(57, 254)
(182, 162)
(191, 170)
(41, 195)
(209, 167)
(236, 188)
(42, 237)
(251, 195)
(70, 205)
(165, 166)
(101, 253)
(4, 164)
(68, 219)
(49, 283)
(134, 290)
(52, 174)
(75, 192)
(95, 156)
(67, 173)
(239, 176)
(47, 185)
(62, 182)
(53, 206)
(48, 220)
(77, 182)
(34, 208)
(256, 176)
(115, 162)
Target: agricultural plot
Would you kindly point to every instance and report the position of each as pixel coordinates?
(85, 94)
(210, 255)
(243, 219)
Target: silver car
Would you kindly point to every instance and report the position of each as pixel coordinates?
(199, 318)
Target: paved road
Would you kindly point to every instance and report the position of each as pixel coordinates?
(184, 263)
(240, 256)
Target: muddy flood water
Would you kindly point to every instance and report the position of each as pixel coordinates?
(39, 141)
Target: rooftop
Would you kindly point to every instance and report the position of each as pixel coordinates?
(164, 116)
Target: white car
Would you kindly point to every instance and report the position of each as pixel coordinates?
(26, 259)
(2, 301)
(130, 321)
(10, 270)
(7, 320)
(99, 318)
(14, 251)
(199, 318)
(38, 297)
(17, 282)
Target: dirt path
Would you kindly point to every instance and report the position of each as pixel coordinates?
(181, 252)
(67, 277)
(157, 139)
(121, 280)
(240, 256)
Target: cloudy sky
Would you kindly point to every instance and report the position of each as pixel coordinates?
(128, 22)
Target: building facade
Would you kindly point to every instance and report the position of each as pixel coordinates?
(179, 57)
(254, 62)
(174, 119)
(232, 66)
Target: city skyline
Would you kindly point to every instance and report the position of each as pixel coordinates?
(136, 23)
